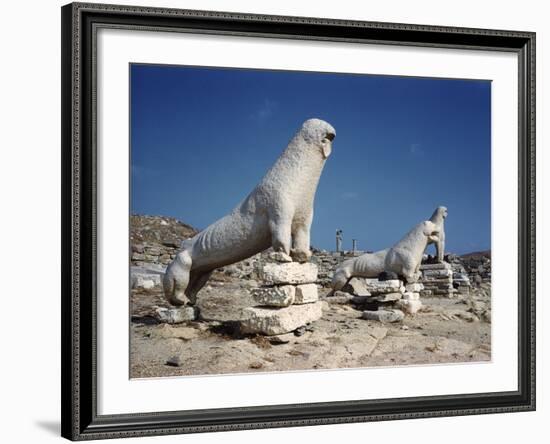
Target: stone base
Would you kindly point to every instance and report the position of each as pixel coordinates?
(376, 287)
(288, 273)
(277, 321)
(281, 296)
(306, 294)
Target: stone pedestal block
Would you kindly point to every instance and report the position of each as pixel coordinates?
(276, 321)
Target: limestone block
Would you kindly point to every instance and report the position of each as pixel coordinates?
(374, 286)
(385, 316)
(356, 287)
(437, 273)
(277, 321)
(176, 315)
(289, 273)
(306, 294)
(280, 296)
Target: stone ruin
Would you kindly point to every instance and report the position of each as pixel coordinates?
(287, 300)
(437, 280)
(382, 300)
(446, 279)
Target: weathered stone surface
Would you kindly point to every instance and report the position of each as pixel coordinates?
(416, 287)
(374, 286)
(384, 315)
(176, 315)
(279, 296)
(378, 332)
(272, 321)
(356, 287)
(279, 256)
(289, 273)
(362, 348)
(306, 294)
(437, 274)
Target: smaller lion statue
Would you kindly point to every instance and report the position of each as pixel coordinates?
(404, 258)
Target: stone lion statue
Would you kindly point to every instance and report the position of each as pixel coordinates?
(438, 218)
(277, 213)
(404, 258)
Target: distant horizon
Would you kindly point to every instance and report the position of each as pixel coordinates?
(202, 138)
(198, 229)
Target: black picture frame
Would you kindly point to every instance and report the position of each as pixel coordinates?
(79, 169)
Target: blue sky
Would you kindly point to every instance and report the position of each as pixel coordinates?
(202, 138)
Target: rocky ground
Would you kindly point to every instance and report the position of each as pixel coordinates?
(445, 330)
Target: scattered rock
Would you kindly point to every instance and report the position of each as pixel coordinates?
(300, 331)
(175, 361)
(384, 315)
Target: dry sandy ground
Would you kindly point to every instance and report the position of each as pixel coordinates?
(445, 331)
